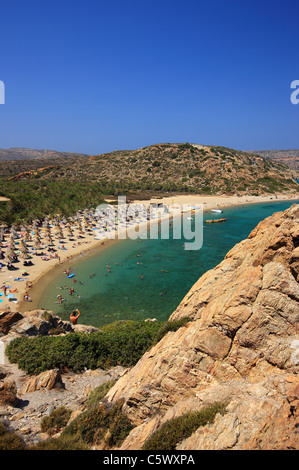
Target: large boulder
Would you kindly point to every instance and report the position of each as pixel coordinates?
(46, 380)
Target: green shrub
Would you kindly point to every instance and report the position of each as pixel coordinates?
(61, 443)
(100, 423)
(175, 430)
(10, 440)
(56, 420)
(120, 343)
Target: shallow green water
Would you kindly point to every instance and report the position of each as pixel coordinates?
(121, 293)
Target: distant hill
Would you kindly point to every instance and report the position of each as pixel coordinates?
(31, 154)
(288, 157)
(177, 167)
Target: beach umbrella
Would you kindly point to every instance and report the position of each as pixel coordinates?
(80, 226)
(24, 251)
(23, 244)
(37, 244)
(70, 231)
(12, 244)
(59, 232)
(37, 233)
(49, 240)
(9, 258)
(37, 238)
(14, 233)
(11, 255)
(26, 235)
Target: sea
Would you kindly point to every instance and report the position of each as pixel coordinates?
(147, 278)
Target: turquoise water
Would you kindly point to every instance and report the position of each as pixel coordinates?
(168, 271)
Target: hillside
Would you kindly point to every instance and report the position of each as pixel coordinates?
(166, 168)
(32, 154)
(287, 157)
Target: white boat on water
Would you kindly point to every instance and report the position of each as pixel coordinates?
(217, 210)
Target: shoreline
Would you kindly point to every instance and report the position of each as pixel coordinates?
(44, 272)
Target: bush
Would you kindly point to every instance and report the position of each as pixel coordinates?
(175, 430)
(61, 443)
(10, 440)
(100, 424)
(56, 420)
(120, 343)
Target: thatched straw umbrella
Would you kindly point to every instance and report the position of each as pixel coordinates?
(49, 240)
(59, 232)
(37, 244)
(27, 236)
(69, 231)
(11, 254)
(24, 250)
(23, 244)
(12, 244)
(9, 258)
(13, 232)
(47, 232)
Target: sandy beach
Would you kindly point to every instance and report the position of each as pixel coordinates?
(26, 279)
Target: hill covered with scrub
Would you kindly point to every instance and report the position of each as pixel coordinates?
(164, 167)
(62, 185)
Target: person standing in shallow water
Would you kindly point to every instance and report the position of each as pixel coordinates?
(74, 316)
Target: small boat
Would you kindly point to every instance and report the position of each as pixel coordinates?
(213, 221)
(217, 210)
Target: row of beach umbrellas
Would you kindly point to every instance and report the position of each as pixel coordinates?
(39, 234)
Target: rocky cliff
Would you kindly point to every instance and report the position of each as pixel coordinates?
(240, 347)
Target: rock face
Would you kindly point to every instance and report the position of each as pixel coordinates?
(241, 346)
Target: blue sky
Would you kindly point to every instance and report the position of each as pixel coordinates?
(94, 76)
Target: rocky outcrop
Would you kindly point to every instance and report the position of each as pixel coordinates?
(7, 319)
(46, 380)
(35, 322)
(241, 347)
